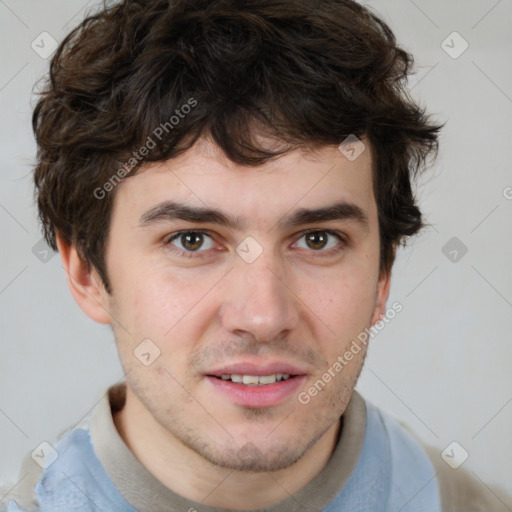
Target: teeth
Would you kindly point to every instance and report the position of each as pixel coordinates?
(255, 380)
(250, 379)
(267, 379)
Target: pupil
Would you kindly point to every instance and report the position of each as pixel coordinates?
(192, 241)
(316, 240)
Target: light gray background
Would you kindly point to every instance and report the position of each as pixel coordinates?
(442, 365)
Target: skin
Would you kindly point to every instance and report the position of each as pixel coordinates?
(297, 302)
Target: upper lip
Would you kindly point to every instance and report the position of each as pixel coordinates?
(257, 369)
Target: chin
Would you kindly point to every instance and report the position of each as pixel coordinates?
(253, 459)
(272, 450)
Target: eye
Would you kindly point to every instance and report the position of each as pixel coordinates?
(320, 241)
(191, 241)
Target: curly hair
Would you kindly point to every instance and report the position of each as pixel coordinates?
(305, 73)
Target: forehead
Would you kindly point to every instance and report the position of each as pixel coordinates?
(203, 177)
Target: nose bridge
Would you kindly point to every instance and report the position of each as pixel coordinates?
(258, 300)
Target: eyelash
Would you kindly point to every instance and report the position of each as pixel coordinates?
(198, 254)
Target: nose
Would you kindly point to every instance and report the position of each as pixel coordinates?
(259, 302)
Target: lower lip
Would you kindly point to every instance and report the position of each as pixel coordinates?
(268, 395)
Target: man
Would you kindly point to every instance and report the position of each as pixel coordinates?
(239, 313)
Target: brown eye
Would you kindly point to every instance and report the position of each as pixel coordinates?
(316, 240)
(191, 241)
(323, 242)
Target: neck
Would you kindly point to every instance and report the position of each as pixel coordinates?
(191, 476)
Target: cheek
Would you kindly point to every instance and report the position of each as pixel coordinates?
(166, 303)
(344, 303)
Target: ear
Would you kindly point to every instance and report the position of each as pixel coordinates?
(383, 287)
(84, 283)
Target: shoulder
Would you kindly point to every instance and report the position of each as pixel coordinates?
(21, 495)
(72, 479)
(44, 471)
(411, 477)
(459, 490)
(463, 492)
(66, 476)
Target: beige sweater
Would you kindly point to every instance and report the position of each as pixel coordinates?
(460, 491)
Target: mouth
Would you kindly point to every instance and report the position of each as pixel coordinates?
(255, 380)
(257, 386)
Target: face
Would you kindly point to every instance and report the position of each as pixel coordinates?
(244, 274)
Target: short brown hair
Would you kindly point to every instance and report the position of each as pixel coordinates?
(307, 73)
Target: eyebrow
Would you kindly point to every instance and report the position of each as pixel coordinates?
(170, 210)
